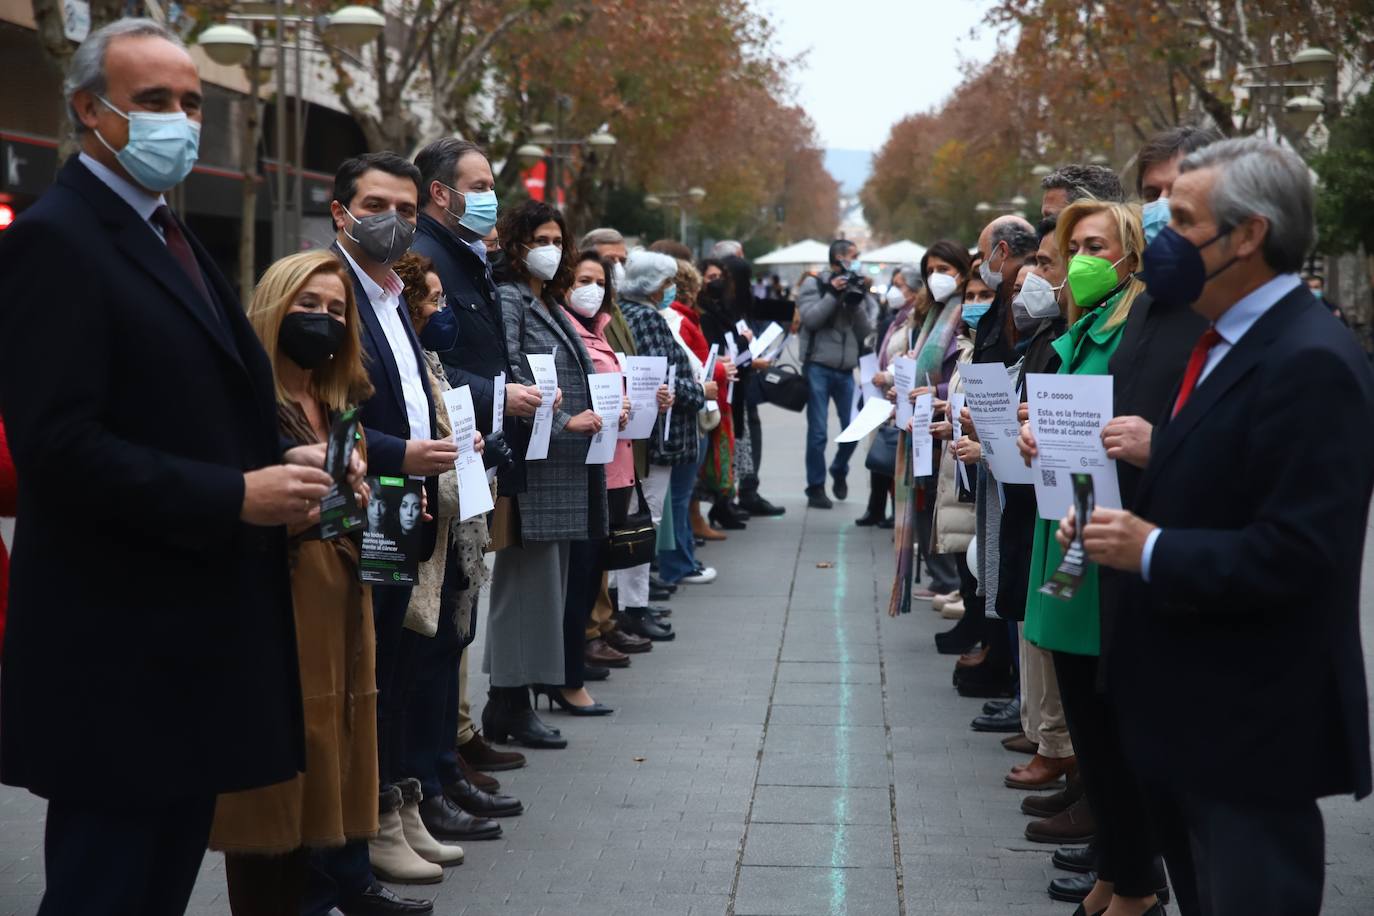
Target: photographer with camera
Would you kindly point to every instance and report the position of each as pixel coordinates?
(837, 313)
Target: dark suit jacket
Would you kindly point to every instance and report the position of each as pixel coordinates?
(151, 648)
(386, 425)
(480, 353)
(1245, 645)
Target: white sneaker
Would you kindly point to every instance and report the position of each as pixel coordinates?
(953, 610)
(703, 576)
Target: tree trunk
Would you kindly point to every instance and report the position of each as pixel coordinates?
(248, 161)
(58, 51)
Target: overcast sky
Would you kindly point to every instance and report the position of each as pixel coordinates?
(873, 61)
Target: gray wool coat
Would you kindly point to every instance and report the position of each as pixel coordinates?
(564, 497)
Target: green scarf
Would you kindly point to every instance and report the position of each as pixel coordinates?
(936, 335)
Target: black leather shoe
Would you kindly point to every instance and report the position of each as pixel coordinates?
(816, 498)
(868, 520)
(755, 504)
(482, 804)
(447, 821)
(722, 515)
(839, 486)
(993, 707)
(888, 523)
(1080, 859)
(594, 673)
(641, 623)
(1007, 721)
(982, 681)
(656, 582)
(379, 900)
(657, 611)
(1072, 888)
(659, 594)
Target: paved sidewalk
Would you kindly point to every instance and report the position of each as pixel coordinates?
(795, 751)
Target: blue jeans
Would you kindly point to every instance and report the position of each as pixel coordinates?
(827, 385)
(681, 561)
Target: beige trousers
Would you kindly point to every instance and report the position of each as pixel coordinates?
(1042, 712)
(466, 729)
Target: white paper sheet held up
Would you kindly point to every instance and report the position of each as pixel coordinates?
(672, 389)
(474, 493)
(498, 403)
(546, 377)
(922, 443)
(646, 374)
(992, 403)
(956, 403)
(873, 415)
(764, 342)
(607, 395)
(904, 372)
(868, 367)
(1067, 413)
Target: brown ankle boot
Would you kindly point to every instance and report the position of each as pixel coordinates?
(701, 528)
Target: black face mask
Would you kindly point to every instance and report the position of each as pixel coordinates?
(715, 288)
(311, 339)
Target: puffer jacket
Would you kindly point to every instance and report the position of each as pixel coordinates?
(955, 521)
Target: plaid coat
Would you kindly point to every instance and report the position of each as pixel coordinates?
(653, 337)
(564, 497)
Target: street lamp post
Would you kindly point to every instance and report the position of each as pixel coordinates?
(1312, 75)
(681, 200)
(549, 145)
(231, 44)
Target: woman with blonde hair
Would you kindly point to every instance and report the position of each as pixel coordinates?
(305, 315)
(1101, 242)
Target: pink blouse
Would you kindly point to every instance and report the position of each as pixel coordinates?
(621, 471)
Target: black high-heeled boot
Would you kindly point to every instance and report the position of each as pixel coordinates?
(994, 676)
(724, 516)
(968, 632)
(508, 717)
(876, 512)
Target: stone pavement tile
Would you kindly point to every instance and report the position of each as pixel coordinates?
(828, 845)
(821, 805)
(826, 739)
(862, 714)
(829, 673)
(809, 769)
(792, 891)
(826, 647)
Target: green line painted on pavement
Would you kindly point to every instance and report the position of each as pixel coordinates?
(838, 874)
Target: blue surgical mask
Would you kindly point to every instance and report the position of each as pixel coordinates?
(669, 296)
(973, 311)
(1154, 217)
(479, 210)
(440, 332)
(162, 147)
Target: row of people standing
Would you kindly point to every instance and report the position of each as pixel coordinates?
(1191, 305)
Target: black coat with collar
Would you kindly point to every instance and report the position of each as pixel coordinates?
(386, 425)
(480, 353)
(1254, 583)
(148, 625)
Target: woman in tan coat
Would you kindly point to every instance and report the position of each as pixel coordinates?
(304, 313)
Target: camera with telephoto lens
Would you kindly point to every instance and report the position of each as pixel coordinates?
(855, 287)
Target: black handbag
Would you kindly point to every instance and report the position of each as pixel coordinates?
(786, 387)
(882, 454)
(633, 541)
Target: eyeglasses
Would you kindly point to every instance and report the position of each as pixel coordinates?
(440, 302)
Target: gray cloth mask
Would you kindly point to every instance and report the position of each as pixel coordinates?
(383, 237)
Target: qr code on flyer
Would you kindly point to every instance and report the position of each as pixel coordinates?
(987, 447)
(1047, 478)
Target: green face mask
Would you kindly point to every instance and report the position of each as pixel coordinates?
(1091, 279)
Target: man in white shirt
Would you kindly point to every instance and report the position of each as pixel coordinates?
(375, 209)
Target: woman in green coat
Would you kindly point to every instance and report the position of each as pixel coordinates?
(1101, 242)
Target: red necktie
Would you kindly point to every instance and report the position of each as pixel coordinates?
(1209, 339)
(180, 250)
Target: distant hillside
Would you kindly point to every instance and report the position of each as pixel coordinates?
(850, 167)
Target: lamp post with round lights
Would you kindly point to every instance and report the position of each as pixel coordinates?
(231, 44)
(1294, 93)
(682, 200)
(547, 144)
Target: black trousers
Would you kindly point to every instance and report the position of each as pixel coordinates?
(879, 494)
(266, 885)
(1125, 839)
(138, 859)
(1230, 858)
(586, 563)
(395, 676)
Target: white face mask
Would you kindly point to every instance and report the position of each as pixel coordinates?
(543, 261)
(1039, 298)
(992, 278)
(895, 297)
(941, 286)
(618, 274)
(586, 300)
